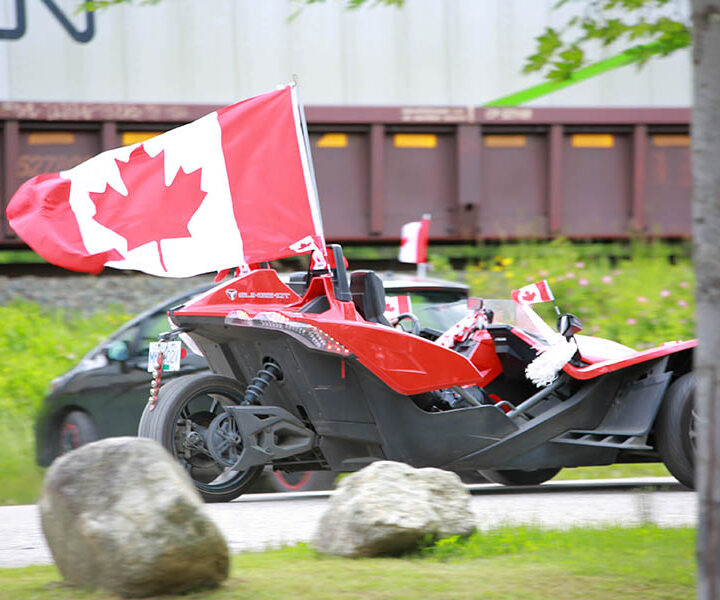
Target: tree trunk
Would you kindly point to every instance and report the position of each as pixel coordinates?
(706, 249)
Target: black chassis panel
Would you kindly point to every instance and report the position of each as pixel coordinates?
(359, 419)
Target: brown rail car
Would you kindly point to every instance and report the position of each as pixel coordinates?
(483, 173)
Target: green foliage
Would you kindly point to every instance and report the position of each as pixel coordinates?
(20, 256)
(508, 562)
(353, 4)
(640, 295)
(91, 5)
(35, 346)
(639, 28)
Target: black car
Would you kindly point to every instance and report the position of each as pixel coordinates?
(105, 393)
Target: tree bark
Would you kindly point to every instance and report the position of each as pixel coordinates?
(706, 251)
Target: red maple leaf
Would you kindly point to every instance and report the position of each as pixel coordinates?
(527, 296)
(151, 211)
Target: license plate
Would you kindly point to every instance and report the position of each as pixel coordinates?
(171, 355)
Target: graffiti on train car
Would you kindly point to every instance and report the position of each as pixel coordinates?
(79, 35)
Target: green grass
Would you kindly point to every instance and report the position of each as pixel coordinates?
(617, 471)
(36, 345)
(529, 563)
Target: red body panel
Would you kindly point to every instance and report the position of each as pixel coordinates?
(608, 366)
(485, 358)
(260, 290)
(407, 363)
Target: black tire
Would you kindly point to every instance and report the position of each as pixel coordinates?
(188, 404)
(675, 430)
(517, 477)
(300, 481)
(76, 429)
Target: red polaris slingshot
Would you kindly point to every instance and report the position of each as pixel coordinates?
(320, 380)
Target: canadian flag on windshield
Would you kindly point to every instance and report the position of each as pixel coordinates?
(534, 292)
(414, 242)
(230, 189)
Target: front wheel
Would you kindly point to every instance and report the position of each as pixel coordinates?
(517, 477)
(76, 429)
(179, 422)
(675, 430)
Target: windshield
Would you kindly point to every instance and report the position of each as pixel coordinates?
(522, 316)
(436, 309)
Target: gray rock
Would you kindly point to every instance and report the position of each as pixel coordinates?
(389, 507)
(121, 514)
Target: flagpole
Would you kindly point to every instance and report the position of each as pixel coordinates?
(311, 167)
(422, 268)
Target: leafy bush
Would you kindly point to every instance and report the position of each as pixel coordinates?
(640, 294)
(36, 346)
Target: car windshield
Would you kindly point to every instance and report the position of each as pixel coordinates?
(522, 316)
(436, 309)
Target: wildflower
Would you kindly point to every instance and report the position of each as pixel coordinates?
(631, 321)
(684, 284)
(617, 272)
(543, 273)
(496, 268)
(642, 299)
(607, 279)
(682, 303)
(570, 275)
(580, 265)
(664, 293)
(583, 281)
(506, 261)
(529, 278)
(509, 274)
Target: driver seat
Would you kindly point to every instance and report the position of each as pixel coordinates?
(368, 294)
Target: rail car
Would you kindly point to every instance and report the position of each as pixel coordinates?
(483, 173)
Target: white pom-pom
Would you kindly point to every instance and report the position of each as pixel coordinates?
(545, 368)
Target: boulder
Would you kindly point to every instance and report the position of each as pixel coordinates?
(121, 514)
(389, 507)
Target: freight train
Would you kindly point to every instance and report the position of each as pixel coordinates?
(483, 173)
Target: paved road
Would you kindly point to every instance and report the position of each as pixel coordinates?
(259, 521)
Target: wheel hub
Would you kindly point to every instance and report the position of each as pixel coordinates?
(224, 441)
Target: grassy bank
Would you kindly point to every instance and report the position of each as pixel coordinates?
(636, 563)
(639, 294)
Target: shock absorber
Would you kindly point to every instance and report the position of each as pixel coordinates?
(255, 390)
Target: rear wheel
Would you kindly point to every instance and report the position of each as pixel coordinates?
(76, 429)
(518, 477)
(180, 420)
(675, 430)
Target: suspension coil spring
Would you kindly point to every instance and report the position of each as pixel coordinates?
(270, 371)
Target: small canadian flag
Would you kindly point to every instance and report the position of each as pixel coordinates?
(533, 293)
(414, 241)
(397, 305)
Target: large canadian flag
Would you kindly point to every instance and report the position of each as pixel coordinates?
(414, 242)
(232, 188)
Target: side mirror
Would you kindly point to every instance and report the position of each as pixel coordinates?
(118, 351)
(568, 325)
